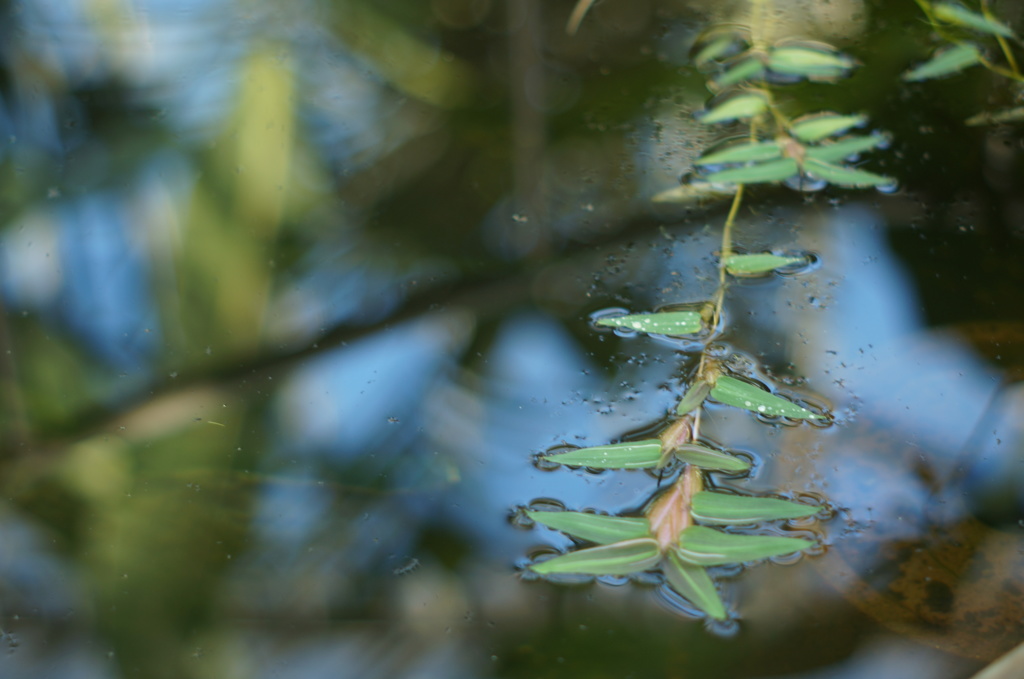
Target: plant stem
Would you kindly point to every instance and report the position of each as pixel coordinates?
(1003, 45)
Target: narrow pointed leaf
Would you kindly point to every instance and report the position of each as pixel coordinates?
(748, 69)
(837, 151)
(603, 530)
(808, 62)
(724, 509)
(693, 397)
(844, 176)
(708, 458)
(716, 49)
(752, 265)
(1013, 115)
(817, 127)
(743, 106)
(705, 546)
(742, 153)
(772, 171)
(631, 455)
(694, 192)
(620, 558)
(694, 583)
(734, 392)
(961, 16)
(946, 62)
(665, 323)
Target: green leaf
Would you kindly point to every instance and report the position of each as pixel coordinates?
(620, 558)
(693, 192)
(747, 69)
(704, 546)
(945, 62)
(734, 392)
(693, 397)
(743, 106)
(965, 18)
(1012, 115)
(603, 530)
(752, 265)
(812, 63)
(724, 509)
(817, 127)
(630, 455)
(837, 151)
(708, 458)
(844, 176)
(715, 49)
(664, 323)
(772, 171)
(741, 153)
(694, 583)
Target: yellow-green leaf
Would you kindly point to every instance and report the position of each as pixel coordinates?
(812, 63)
(734, 392)
(663, 323)
(772, 171)
(619, 558)
(708, 458)
(837, 151)
(736, 108)
(961, 16)
(603, 530)
(742, 153)
(630, 455)
(747, 69)
(817, 126)
(753, 265)
(946, 62)
(725, 509)
(694, 583)
(693, 192)
(844, 176)
(704, 546)
(1012, 115)
(693, 397)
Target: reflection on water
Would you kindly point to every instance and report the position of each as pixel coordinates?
(290, 305)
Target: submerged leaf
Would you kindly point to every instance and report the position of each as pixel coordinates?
(741, 153)
(812, 63)
(844, 176)
(743, 106)
(663, 323)
(945, 62)
(772, 171)
(708, 458)
(752, 265)
(818, 126)
(961, 16)
(620, 558)
(709, 547)
(734, 392)
(837, 151)
(1012, 115)
(629, 455)
(693, 397)
(694, 583)
(725, 509)
(693, 192)
(716, 49)
(603, 530)
(744, 70)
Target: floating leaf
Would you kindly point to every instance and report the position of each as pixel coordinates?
(772, 171)
(716, 49)
(741, 153)
(945, 62)
(752, 265)
(812, 63)
(844, 176)
(709, 547)
(630, 455)
(693, 397)
(744, 70)
(603, 530)
(693, 192)
(1012, 115)
(837, 151)
(620, 558)
(724, 509)
(734, 392)
(708, 458)
(961, 16)
(818, 126)
(743, 106)
(664, 323)
(694, 583)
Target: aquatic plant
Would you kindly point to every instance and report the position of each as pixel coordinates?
(687, 527)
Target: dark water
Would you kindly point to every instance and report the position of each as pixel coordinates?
(294, 293)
